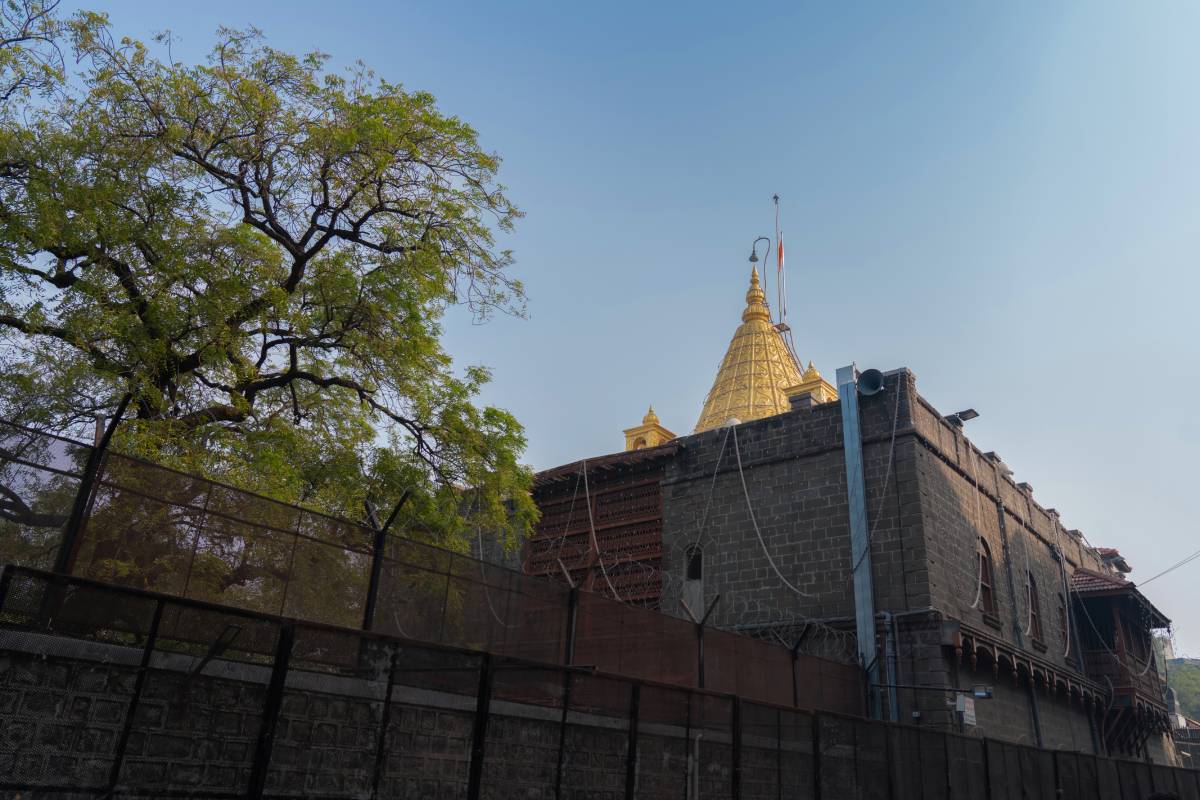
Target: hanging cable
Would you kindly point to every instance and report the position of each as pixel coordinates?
(712, 485)
(562, 539)
(1029, 598)
(595, 542)
(978, 578)
(483, 579)
(971, 456)
(750, 510)
(1066, 595)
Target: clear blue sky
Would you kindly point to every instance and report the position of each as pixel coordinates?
(1002, 197)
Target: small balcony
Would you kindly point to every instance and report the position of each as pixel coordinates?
(1127, 674)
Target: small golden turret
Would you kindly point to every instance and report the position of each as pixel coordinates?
(649, 434)
(811, 382)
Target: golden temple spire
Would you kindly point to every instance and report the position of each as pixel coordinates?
(756, 369)
(756, 300)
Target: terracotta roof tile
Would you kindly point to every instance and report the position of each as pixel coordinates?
(1086, 580)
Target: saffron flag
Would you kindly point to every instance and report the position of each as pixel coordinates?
(779, 276)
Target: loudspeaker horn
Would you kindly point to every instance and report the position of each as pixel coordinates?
(870, 382)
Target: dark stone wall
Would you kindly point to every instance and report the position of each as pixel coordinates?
(966, 496)
(63, 704)
(795, 477)
(926, 509)
(62, 718)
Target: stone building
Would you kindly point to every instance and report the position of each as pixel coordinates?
(973, 583)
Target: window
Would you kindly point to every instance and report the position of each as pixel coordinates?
(695, 563)
(1062, 618)
(987, 599)
(1035, 611)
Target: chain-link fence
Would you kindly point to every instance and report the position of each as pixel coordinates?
(127, 522)
(114, 692)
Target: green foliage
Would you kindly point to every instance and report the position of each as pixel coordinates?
(260, 253)
(30, 59)
(1183, 675)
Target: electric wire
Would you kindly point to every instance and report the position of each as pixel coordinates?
(754, 522)
(1181, 563)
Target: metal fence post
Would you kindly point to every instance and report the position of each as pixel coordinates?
(483, 702)
(736, 760)
(376, 571)
(568, 680)
(816, 755)
(700, 623)
(139, 682)
(5, 580)
(779, 753)
(890, 755)
(987, 770)
(572, 619)
(385, 717)
(631, 752)
(378, 546)
(949, 771)
(271, 708)
(64, 560)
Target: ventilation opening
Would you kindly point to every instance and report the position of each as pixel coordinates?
(695, 563)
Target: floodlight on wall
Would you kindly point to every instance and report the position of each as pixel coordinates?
(959, 417)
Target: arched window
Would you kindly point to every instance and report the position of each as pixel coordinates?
(1035, 610)
(987, 597)
(1062, 617)
(695, 563)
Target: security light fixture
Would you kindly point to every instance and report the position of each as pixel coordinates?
(959, 417)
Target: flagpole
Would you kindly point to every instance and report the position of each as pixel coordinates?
(779, 285)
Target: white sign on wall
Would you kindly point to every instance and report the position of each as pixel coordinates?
(966, 706)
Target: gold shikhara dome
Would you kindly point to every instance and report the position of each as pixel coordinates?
(757, 370)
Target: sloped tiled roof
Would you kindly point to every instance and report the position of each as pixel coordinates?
(1085, 580)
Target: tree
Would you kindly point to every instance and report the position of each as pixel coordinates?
(260, 252)
(30, 59)
(1183, 675)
